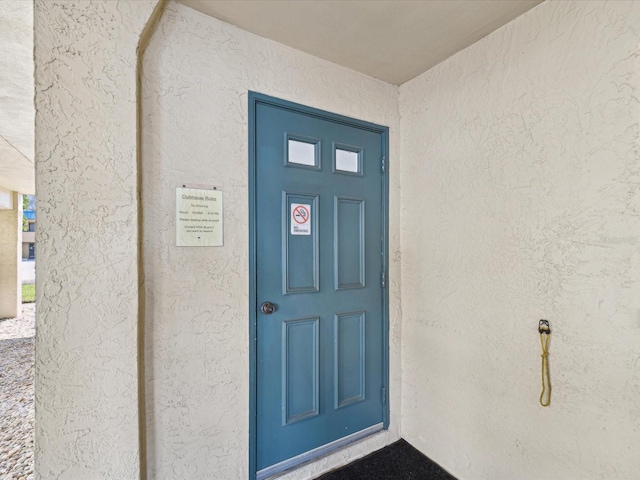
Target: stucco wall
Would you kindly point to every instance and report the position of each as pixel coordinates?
(519, 201)
(197, 72)
(87, 284)
(520, 179)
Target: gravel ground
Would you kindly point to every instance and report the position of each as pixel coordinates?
(16, 395)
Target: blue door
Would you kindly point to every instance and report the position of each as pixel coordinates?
(320, 322)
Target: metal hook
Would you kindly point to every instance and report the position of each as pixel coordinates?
(543, 327)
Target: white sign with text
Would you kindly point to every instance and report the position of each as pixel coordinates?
(198, 218)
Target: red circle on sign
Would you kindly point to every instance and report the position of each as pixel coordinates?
(300, 212)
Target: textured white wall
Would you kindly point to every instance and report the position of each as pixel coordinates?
(87, 284)
(520, 201)
(197, 72)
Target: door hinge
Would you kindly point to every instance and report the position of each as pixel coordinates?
(383, 280)
(384, 395)
(383, 164)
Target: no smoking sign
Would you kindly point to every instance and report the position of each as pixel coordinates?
(300, 219)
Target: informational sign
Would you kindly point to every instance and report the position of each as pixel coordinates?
(198, 218)
(300, 219)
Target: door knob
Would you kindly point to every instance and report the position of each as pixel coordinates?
(268, 308)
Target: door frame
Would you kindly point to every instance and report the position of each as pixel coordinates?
(254, 100)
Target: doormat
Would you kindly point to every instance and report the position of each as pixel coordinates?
(398, 461)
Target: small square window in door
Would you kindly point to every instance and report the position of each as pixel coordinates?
(347, 160)
(302, 152)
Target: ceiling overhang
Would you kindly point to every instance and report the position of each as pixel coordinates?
(391, 40)
(17, 111)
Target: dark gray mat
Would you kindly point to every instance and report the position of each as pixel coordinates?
(398, 461)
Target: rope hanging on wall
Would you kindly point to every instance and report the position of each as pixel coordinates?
(544, 329)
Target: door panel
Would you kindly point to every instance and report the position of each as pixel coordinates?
(319, 208)
(349, 375)
(300, 369)
(300, 268)
(349, 243)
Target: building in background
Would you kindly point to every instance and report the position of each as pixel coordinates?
(29, 228)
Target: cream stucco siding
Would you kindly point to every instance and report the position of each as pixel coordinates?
(197, 74)
(518, 161)
(87, 285)
(520, 158)
(27, 237)
(10, 230)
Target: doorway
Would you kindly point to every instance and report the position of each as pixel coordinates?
(318, 292)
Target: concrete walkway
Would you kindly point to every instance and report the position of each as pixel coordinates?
(28, 272)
